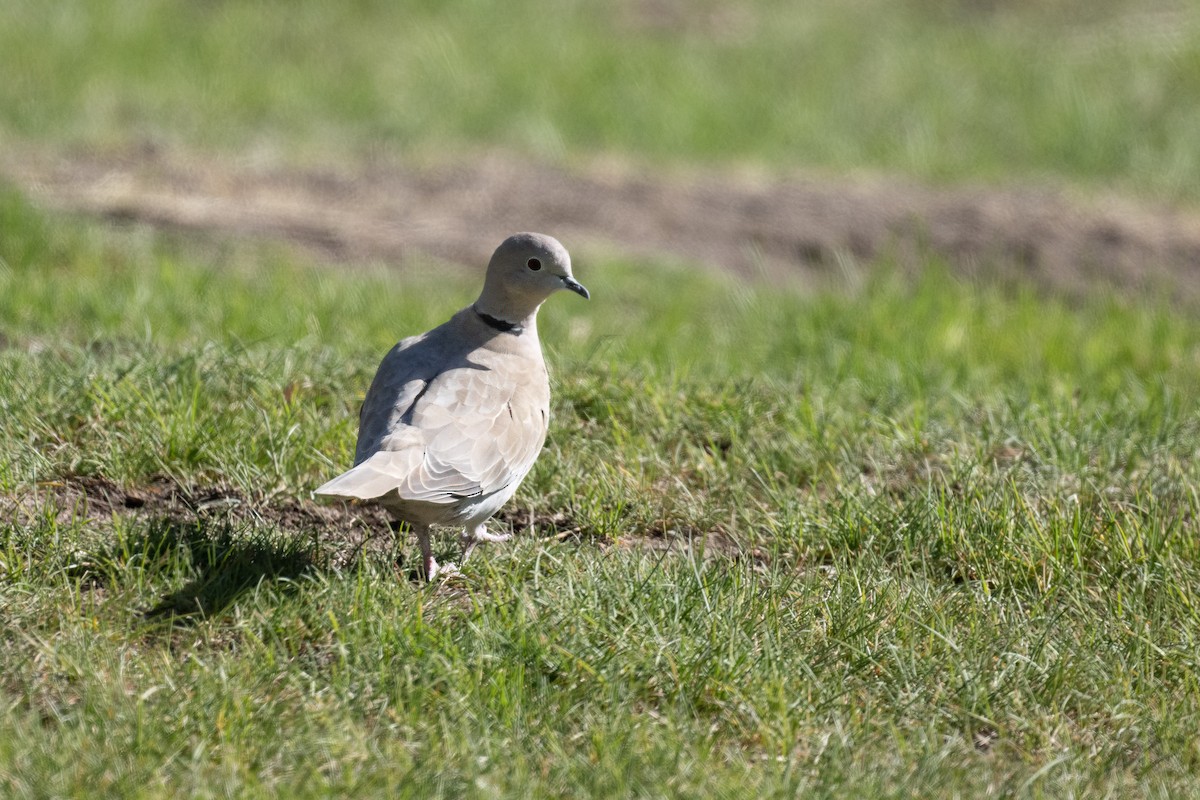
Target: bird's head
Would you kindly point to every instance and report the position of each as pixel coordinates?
(526, 269)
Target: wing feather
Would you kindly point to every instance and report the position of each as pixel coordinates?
(437, 428)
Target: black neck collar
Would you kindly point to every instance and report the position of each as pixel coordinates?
(501, 325)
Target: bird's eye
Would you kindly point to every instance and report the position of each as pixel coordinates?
(534, 264)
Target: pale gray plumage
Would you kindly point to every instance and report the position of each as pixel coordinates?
(456, 417)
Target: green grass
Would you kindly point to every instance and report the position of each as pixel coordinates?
(962, 513)
(1101, 93)
(933, 538)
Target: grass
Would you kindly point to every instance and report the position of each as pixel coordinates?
(942, 539)
(1097, 93)
(899, 536)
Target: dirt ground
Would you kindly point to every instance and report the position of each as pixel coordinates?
(347, 532)
(779, 226)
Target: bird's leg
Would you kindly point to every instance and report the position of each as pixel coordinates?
(433, 570)
(428, 562)
(473, 536)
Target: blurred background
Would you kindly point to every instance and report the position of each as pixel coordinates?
(1048, 139)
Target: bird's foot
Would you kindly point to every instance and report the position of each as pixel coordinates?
(440, 572)
(473, 537)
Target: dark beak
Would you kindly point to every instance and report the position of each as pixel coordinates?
(577, 287)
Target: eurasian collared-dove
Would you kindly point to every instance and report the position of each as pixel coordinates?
(456, 417)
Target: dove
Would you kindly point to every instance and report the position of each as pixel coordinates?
(455, 417)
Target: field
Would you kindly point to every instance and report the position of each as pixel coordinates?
(913, 519)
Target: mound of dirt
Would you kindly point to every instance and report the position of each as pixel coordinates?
(783, 226)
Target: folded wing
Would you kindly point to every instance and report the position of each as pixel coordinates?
(465, 432)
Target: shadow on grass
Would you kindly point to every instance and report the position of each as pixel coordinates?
(223, 561)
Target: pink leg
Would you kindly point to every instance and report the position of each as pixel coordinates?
(473, 536)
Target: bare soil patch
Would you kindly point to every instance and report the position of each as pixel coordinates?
(340, 532)
(97, 499)
(779, 226)
(343, 527)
